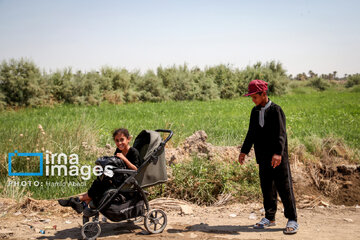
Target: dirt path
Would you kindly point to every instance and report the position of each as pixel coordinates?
(185, 221)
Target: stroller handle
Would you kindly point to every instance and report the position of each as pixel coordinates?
(171, 133)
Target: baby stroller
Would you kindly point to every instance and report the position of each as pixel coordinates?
(129, 200)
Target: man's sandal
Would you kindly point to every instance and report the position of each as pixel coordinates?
(264, 223)
(291, 227)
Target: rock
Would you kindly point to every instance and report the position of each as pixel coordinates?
(193, 235)
(186, 210)
(348, 220)
(5, 234)
(252, 216)
(68, 222)
(17, 213)
(108, 146)
(232, 215)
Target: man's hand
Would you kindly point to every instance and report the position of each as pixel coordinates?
(242, 158)
(276, 160)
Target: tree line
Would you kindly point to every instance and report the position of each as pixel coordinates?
(22, 83)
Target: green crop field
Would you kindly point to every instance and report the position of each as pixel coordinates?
(325, 114)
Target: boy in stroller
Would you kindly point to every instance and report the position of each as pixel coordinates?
(129, 200)
(125, 157)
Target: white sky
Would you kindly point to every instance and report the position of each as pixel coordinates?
(320, 35)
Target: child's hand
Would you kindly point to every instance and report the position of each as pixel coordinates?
(242, 158)
(276, 160)
(120, 155)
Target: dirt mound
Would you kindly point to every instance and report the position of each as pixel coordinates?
(196, 145)
(340, 183)
(331, 180)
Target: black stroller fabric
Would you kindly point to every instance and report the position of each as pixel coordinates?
(124, 206)
(117, 163)
(110, 160)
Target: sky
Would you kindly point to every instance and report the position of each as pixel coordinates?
(318, 35)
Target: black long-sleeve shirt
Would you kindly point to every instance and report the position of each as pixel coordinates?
(271, 138)
(133, 156)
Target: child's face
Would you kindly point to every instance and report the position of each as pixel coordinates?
(258, 99)
(122, 141)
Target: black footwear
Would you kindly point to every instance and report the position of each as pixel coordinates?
(72, 202)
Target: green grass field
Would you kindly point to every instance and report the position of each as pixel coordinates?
(320, 114)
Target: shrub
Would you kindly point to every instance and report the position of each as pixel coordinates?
(203, 181)
(2, 100)
(62, 86)
(318, 83)
(271, 72)
(355, 89)
(225, 79)
(86, 89)
(21, 83)
(207, 88)
(150, 88)
(353, 80)
(180, 83)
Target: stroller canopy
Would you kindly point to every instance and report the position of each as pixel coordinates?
(150, 172)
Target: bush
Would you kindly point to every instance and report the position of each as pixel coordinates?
(225, 79)
(355, 89)
(318, 83)
(207, 88)
(86, 88)
(150, 88)
(271, 72)
(353, 80)
(21, 83)
(2, 100)
(202, 181)
(62, 86)
(180, 83)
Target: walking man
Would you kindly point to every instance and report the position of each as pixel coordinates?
(267, 132)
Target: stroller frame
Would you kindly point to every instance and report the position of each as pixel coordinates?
(152, 217)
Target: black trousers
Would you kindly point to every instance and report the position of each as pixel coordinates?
(99, 187)
(273, 181)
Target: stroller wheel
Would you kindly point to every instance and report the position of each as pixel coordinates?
(91, 230)
(155, 221)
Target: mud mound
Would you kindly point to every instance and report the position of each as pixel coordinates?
(196, 145)
(340, 183)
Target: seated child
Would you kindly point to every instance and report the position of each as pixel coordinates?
(130, 157)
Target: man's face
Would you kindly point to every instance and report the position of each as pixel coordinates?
(258, 98)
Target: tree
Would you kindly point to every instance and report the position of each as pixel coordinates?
(21, 83)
